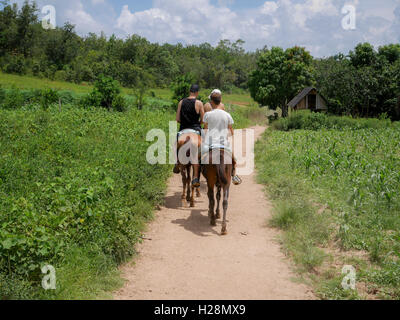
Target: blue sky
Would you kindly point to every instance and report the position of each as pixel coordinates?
(315, 24)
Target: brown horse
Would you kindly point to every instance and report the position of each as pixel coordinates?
(191, 141)
(218, 172)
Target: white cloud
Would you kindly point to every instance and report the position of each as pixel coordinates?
(315, 24)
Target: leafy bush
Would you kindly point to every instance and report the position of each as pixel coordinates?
(15, 65)
(181, 87)
(2, 95)
(48, 97)
(307, 120)
(106, 94)
(67, 97)
(14, 99)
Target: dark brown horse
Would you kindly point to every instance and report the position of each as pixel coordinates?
(191, 141)
(218, 172)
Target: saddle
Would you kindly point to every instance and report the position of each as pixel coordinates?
(206, 152)
(188, 131)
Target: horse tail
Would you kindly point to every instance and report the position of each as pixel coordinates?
(221, 169)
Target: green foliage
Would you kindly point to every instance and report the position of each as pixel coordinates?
(145, 83)
(365, 84)
(316, 121)
(390, 52)
(363, 55)
(106, 94)
(48, 97)
(2, 95)
(77, 178)
(14, 64)
(280, 75)
(181, 87)
(61, 54)
(13, 99)
(352, 174)
(246, 116)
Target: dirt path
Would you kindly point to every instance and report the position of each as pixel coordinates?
(184, 258)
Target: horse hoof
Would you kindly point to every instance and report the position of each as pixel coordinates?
(218, 216)
(213, 223)
(192, 205)
(224, 232)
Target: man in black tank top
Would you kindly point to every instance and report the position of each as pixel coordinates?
(190, 116)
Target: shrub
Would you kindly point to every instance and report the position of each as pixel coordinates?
(119, 104)
(67, 97)
(106, 94)
(16, 65)
(181, 87)
(13, 99)
(2, 95)
(48, 97)
(307, 120)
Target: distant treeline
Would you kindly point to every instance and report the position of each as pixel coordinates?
(364, 83)
(61, 54)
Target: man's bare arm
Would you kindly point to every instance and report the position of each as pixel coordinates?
(178, 114)
(202, 112)
(230, 127)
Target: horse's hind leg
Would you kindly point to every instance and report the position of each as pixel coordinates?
(188, 184)
(218, 213)
(191, 194)
(211, 214)
(224, 230)
(198, 195)
(183, 182)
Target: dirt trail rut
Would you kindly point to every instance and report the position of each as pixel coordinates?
(184, 258)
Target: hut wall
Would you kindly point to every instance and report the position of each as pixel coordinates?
(302, 104)
(321, 103)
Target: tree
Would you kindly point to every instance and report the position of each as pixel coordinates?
(364, 84)
(181, 87)
(26, 19)
(363, 55)
(280, 75)
(391, 53)
(146, 81)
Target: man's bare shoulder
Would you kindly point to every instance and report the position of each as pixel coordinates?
(207, 107)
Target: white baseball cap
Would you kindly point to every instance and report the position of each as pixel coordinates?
(217, 91)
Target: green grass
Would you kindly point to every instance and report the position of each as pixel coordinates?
(26, 83)
(75, 188)
(74, 179)
(337, 189)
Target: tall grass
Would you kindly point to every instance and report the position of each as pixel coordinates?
(75, 192)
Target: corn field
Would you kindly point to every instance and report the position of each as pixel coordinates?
(354, 173)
